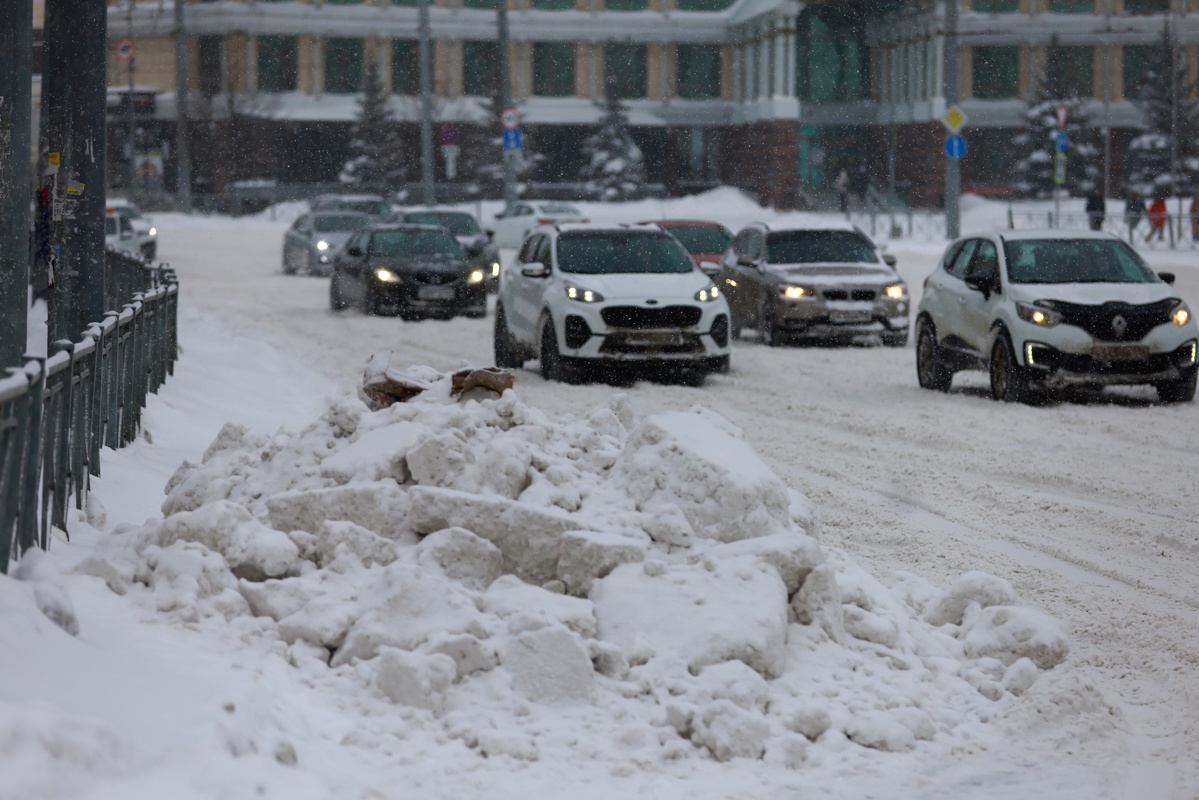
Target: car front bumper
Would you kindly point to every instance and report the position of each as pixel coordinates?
(682, 332)
(1108, 364)
(448, 298)
(841, 319)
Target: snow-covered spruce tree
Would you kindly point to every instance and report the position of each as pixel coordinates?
(482, 159)
(613, 168)
(1170, 117)
(1032, 174)
(377, 162)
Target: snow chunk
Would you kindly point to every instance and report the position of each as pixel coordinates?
(459, 554)
(1010, 633)
(971, 587)
(793, 555)
(381, 507)
(880, 731)
(49, 589)
(730, 731)
(414, 679)
(376, 454)
(549, 665)
(510, 597)
(586, 556)
(253, 551)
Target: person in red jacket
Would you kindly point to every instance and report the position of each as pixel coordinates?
(1157, 219)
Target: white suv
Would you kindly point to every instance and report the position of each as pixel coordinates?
(1048, 309)
(591, 295)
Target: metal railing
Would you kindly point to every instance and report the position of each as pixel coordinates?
(1176, 232)
(57, 412)
(902, 223)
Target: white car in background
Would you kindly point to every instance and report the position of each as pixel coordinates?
(1048, 309)
(119, 235)
(518, 220)
(143, 227)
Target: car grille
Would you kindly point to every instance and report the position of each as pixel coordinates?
(1103, 322)
(846, 294)
(651, 344)
(642, 318)
(433, 277)
(1088, 365)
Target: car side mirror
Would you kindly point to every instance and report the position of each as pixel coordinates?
(709, 268)
(980, 285)
(890, 260)
(535, 269)
(355, 251)
(746, 261)
(490, 234)
(1167, 278)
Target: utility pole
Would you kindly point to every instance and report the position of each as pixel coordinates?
(426, 108)
(501, 16)
(70, 224)
(16, 98)
(1107, 98)
(1175, 183)
(953, 173)
(131, 138)
(183, 173)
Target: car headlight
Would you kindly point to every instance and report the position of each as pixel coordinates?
(476, 276)
(708, 294)
(153, 231)
(495, 269)
(1039, 313)
(322, 245)
(387, 276)
(896, 291)
(1181, 315)
(583, 295)
(796, 292)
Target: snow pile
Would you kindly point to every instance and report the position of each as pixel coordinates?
(494, 572)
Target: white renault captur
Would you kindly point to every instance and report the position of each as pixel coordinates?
(1046, 309)
(582, 295)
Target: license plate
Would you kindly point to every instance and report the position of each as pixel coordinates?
(849, 317)
(1120, 352)
(435, 293)
(655, 339)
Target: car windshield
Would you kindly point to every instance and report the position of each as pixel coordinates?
(427, 242)
(557, 208)
(702, 240)
(459, 224)
(1075, 261)
(335, 223)
(129, 212)
(613, 252)
(818, 247)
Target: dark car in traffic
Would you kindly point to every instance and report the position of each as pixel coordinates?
(412, 270)
(704, 241)
(313, 240)
(479, 247)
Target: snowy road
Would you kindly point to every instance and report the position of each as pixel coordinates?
(1089, 509)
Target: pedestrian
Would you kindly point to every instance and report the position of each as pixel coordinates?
(1096, 209)
(842, 186)
(1195, 216)
(1134, 212)
(1157, 219)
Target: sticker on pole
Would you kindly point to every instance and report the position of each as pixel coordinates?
(954, 119)
(510, 119)
(126, 49)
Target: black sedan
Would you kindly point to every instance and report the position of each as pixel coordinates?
(479, 248)
(413, 270)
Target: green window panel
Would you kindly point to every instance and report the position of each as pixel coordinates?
(405, 67)
(1137, 61)
(343, 65)
(699, 71)
(554, 69)
(209, 50)
(404, 2)
(627, 64)
(996, 6)
(1080, 67)
(996, 74)
(277, 63)
(830, 66)
(480, 68)
(488, 4)
(343, 2)
(1139, 7)
(625, 5)
(554, 5)
(1072, 7)
(704, 5)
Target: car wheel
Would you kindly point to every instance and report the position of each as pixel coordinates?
(895, 339)
(150, 250)
(930, 372)
(506, 355)
(1009, 381)
(772, 335)
(734, 326)
(551, 359)
(337, 300)
(370, 303)
(1179, 391)
(309, 263)
(288, 269)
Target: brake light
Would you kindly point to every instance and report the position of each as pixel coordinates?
(545, 221)
(584, 219)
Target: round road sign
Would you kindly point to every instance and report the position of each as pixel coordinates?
(449, 134)
(126, 50)
(510, 119)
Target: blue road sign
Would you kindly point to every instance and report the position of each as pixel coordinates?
(1061, 141)
(955, 146)
(512, 139)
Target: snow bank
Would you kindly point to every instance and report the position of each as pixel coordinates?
(482, 565)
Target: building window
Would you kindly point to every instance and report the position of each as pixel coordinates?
(1072, 7)
(1139, 7)
(1080, 68)
(704, 5)
(554, 5)
(831, 65)
(488, 4)
(209, 57)
(1137, 61)
(553, 69)
(405, 67)
(626, 63)
(995, 72)
(342, 2)
(699, 71)
(996, 6)
(343, 65)
(480, 68)
(403, 2)
(625, 5)
(277, 59)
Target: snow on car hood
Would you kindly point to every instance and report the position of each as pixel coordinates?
(863, 273)
(678, 286)
(1093, 293)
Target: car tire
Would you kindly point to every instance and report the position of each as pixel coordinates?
(1179, 391)
(370, 303)
(337, 300)
(734, 326)
(150, 251)
(288, 269)
(1009, 381)
(506, 354)
(551, 357)
(895, 339)
(309, 263)
(772, 335)
(931, 373)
